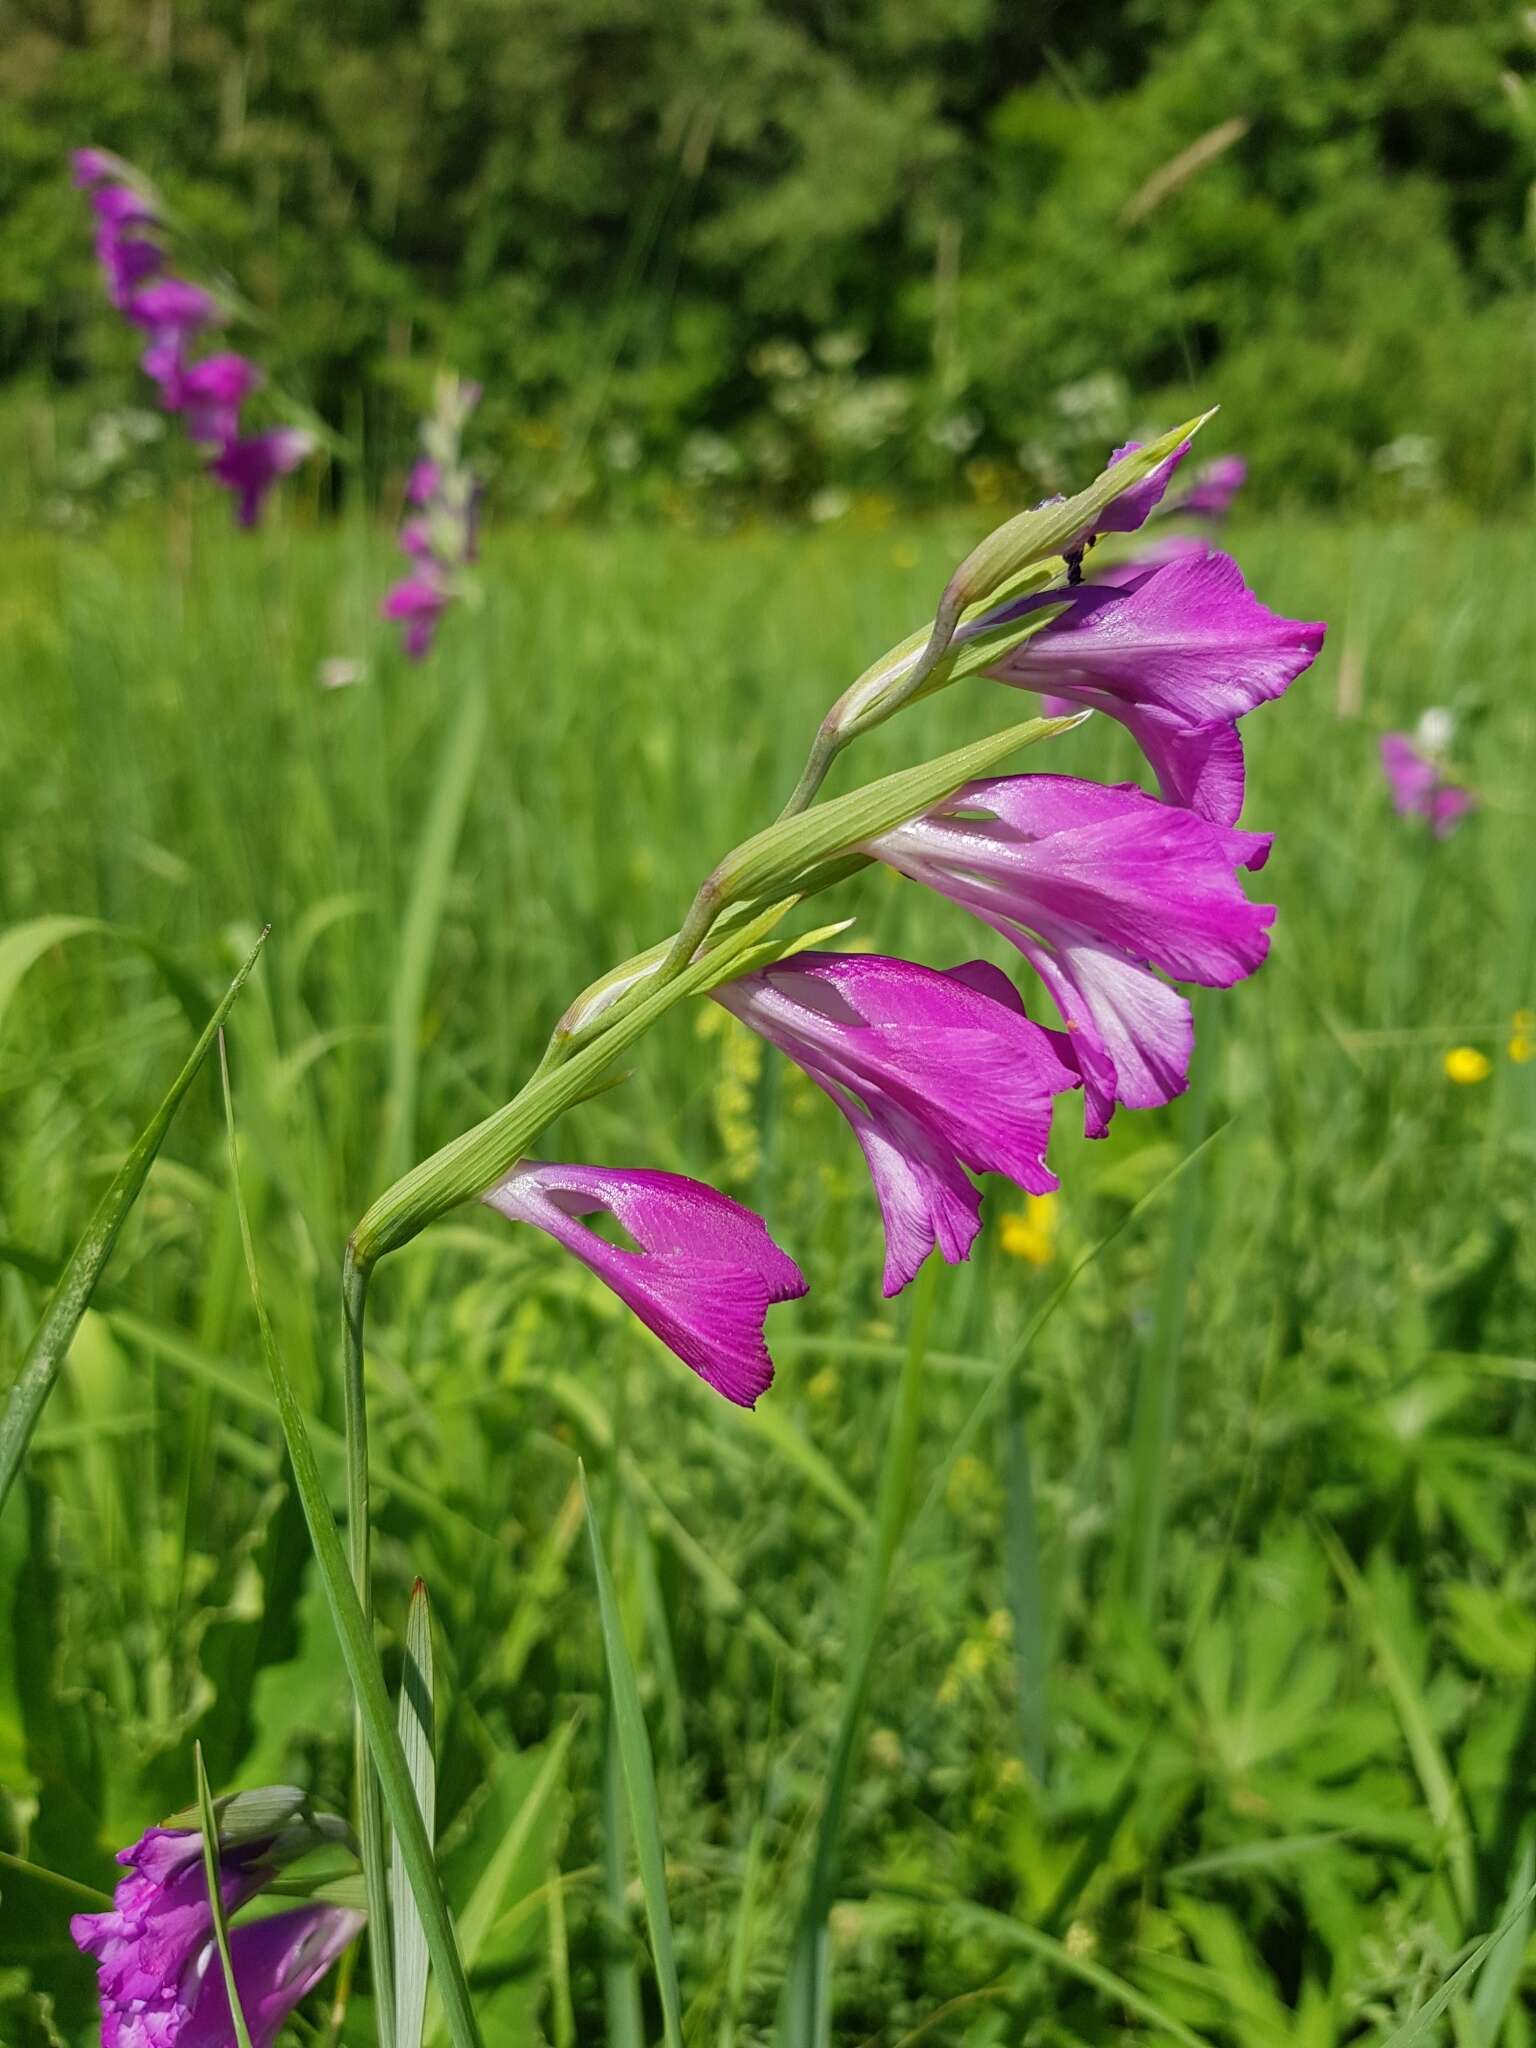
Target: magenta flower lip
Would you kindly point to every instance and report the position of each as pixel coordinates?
(937, 1073)
(1098, 886)
(703, 1278)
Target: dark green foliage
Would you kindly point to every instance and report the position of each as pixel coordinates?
(730, 249)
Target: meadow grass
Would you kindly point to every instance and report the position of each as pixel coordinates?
(1163, 1642)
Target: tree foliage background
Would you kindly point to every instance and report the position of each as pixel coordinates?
(781, 247)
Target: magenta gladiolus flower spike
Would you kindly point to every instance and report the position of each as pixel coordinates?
(160, 1979)
(1098, 885)
(122, 206)
(704, 1277)
(1177, 657)
(439, 536)
(251, 466)
(935, 1072)
(1420, 787)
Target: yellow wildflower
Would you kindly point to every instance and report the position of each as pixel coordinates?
(903, 556)
(1522, 1044)
(1465, 1065)
(1031, 1233)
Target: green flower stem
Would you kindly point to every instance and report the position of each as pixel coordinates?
(370, 1811)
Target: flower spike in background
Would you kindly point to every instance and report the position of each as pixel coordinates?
(439, 535)
(172, 312)
(704, 1277)
(935, 1072)
(1097, 885)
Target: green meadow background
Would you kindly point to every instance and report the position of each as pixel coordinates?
(1127, 1637)
(1202, 1697)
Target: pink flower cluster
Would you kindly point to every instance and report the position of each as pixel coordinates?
(1108, 893)
(208, 391)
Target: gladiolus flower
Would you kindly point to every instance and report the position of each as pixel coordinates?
(421, 486)
(122, 206)
(417, 603)
(1177, 656)
(704, 1276)
(128, 264)
(1096, 886)
(159, 1974)
(935, 1072)
(171, 312)
(1420, 787)
(212, 392)
(251, 466)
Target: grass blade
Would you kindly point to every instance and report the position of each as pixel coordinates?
(364, 1671)
(431, 872)
(417, 1735)
(1429, 1761)
(1026, 1591)
(621, 1980)
(1500, 1977)
(1418, 2024)
(215, 1897)
(639, 1785)
(45, 1355)
(805, 2014)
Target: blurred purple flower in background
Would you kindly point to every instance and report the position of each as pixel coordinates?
(208, 393)
(704, 1277)
(1415, 768)
(440, 537)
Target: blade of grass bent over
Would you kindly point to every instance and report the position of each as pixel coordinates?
(639, 1784)
(355, 1638)
(215, 1897)
(45, 1355)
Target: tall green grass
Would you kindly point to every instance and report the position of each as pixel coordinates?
(1165, 1667)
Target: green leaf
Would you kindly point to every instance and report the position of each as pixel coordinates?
(417, 1734)
(45, 1355)
(358, 1653)
(639, 1785)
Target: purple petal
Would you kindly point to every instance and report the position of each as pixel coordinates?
(422, 483)
(1097, 886)
(1411, 776)
(1448, 806)
(277, 1963)
(250, 467)
(416, 602)
(128, 262)
(212, 392)
(88, 167)
(172, 306)
(703, 1278)
(935, 1073)
(1130, 510)
(120, 206)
